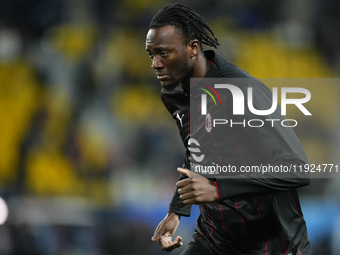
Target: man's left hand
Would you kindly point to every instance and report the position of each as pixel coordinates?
(196, 189)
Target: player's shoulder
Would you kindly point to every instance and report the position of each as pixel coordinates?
(225, 71)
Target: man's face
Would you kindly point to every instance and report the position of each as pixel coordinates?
(169, 54)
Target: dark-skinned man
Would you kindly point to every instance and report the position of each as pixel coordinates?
(238, 216)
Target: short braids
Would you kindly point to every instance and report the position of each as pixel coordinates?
(187, 21)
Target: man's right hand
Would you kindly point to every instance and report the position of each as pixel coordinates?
(164, 232)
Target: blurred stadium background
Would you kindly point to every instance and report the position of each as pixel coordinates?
(88, 153)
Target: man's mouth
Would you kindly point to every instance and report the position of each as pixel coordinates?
(162, 76)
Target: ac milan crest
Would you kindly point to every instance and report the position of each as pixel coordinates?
(208, 123)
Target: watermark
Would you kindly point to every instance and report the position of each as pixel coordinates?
(247, 127)
(216, 169)
(238, 102)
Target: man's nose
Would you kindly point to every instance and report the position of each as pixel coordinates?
(156, 63)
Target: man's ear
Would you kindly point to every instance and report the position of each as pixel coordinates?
(194, 47)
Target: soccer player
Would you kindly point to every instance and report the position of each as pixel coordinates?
(238, 216)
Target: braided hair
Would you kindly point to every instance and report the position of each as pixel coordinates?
(187, 22)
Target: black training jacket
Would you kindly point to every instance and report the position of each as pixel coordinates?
(257, 213)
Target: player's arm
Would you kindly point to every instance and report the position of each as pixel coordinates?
(176, 205)
(281, 147)
(167, 227)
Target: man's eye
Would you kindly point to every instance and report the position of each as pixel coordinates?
(150, 55)
(163, 54)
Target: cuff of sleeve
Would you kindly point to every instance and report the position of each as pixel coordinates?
(218, 194)
(226, 188)
(185, 212)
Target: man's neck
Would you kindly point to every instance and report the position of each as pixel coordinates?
(200, 70)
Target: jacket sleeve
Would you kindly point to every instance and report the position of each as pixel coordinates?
(280, 146)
